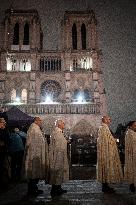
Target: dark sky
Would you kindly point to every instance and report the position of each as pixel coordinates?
(117, 39)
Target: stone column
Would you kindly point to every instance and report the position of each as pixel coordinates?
(11, 28)
(30, 34)
(93, 35)
(21, 34)
(95, 61)
(68, 84)
(33, 34)
(2, 88)
(3, 62)
(68, 35)
(34, 62)
(6, 34)
(32, 96)
(38, 36)
(79, 42)
(67, 60)
(88, 35)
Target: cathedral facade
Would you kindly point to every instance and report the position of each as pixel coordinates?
(66, 83)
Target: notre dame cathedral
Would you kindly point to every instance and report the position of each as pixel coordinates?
(65, 83)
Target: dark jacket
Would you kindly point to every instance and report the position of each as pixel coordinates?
(4, 140)
(16, 143)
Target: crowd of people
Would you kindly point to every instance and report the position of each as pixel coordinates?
(12, 145)
(32, 157)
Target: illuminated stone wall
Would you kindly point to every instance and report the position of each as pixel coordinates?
(116, 28)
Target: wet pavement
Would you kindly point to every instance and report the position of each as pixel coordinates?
(82, 189)
(79, 192)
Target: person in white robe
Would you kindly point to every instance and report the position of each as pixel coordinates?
(130, 156)
(109, 168)
(58, 159)
(36, 156)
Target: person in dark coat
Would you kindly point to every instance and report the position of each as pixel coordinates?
(4, 140)
(16, 150)
(21, 134)
(3, 114)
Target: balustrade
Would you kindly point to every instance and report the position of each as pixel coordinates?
(89, 108)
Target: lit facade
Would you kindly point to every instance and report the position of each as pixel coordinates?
(66, 83)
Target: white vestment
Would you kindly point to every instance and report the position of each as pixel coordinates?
(130, 157)
(36, 153)
(58, 158)
(108, 162)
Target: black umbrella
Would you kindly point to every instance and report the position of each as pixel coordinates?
(18, 118)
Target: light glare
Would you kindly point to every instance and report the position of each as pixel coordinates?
(48, 99)
(80, 98)
(17, 99)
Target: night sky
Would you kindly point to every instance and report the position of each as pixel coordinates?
(117, 39)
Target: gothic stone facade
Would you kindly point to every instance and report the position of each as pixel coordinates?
(66, 83)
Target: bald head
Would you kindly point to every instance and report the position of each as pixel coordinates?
(132, 125)
(106, 119)
(60, 124)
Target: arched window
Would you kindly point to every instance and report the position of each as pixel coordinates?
(16, 34)
(13, 95)
(76, 94)
(24, 96)
(74, 36)
(83, 36)
(25, 65)
(87, 95)
(9, 64)
(26, 34)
